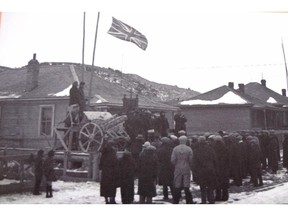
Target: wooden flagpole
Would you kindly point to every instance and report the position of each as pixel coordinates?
(92, 70)
(83, 47)
(285, 63)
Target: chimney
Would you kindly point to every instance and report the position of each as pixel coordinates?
(32, 74)
(263, 82)
(231, 85)
(241, 88)
(284, 92)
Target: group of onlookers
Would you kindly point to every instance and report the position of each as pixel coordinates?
(215, 161)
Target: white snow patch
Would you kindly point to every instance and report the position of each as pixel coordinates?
(228, 98)
(271, 100)
(8, 181)
(91, 115)
(8, 96)
(65, 92)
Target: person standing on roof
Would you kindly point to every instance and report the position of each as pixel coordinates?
(74, 94)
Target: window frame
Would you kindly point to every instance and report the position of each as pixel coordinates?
(40, 119)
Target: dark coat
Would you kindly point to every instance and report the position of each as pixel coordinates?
(148, 164)
(254, 155)
(82, 100)
(162, 126)
(38, 167)
(273, 153)
(74, 96)
(180, 123)
(166, 168)
(48, 169)
(223, 158)
(205, 163)
(236, 161)
(110, 172)
(127, 173)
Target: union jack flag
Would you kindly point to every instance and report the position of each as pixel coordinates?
(125, 32)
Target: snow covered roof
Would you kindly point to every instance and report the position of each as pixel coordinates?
(228, 98)
(225, 95)
(263, 93)
(271, 100)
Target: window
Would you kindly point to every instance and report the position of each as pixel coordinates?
(46, 120)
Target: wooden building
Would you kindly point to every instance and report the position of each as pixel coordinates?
(35, 98)
(228, 109)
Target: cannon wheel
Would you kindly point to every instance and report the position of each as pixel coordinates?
(90, 137)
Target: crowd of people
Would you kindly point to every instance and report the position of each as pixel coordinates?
(212, 161)
(156, 156)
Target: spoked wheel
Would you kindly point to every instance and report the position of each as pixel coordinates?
(90, 137)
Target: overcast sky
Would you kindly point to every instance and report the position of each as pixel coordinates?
(192, 44)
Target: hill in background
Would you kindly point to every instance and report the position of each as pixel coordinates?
(160, 92)
(164, 93)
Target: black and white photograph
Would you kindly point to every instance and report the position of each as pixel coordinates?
(144, 102)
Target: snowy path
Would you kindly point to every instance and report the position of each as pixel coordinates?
(88, 193)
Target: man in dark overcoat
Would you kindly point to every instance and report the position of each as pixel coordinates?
(38, 171)
(49, 173)
(205, 163)
(273, 152)
(180, 122)
(223, 169)
(236, 162)
(148, 166)
(166, 168)
(264, 145)
(254, 161)
(74, 94)
(127, 174)
(110, 172)
(163, 125)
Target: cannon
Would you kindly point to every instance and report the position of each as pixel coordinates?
(88, 130)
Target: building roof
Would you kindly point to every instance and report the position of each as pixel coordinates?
(263, 93)
(55, 82)
(225, 95)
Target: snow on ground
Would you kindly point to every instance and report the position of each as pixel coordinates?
(274, 191)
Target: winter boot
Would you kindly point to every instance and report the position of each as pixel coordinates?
(47, 191)
(188, 196)
(177, 195)
(225, 195)
(142, 199)
(50, 190)
(218, 194)
(112, 200)
(203, 196)
(149, 200)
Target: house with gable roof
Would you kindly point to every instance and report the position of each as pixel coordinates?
(228, 109)
(32, 103)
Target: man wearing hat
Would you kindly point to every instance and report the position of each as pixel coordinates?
(148, 167)
(74, 94)
(181, 158)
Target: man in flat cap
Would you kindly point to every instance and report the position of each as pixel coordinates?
(181, 158)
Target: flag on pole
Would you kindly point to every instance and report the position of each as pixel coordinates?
(125, 32)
